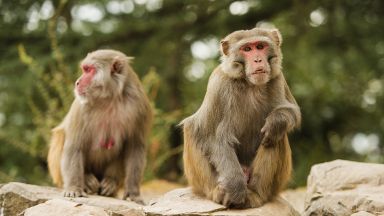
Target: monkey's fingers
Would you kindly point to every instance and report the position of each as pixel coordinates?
(227, 200)
(233, 201)
(136, 199)
(267, 141)
(263, 130)
(218, 195)
(253, 200)
(92, 185)
(74, 193)
(108, 187)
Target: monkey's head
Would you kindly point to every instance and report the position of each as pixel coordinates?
(253, 55)
(104, 74)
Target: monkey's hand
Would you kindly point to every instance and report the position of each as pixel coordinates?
(73, 192)
(273, 131)
(231, 192)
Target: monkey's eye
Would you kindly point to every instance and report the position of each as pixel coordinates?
(86, 68)
(259, 46)
(247, 49)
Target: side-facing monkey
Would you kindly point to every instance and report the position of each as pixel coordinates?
(236, 150)
(100, 144)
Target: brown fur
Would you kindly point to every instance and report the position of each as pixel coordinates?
(113, 107)
(54, 155)
(242, 126)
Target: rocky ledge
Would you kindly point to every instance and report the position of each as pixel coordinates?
(31, 200)
(337, 188)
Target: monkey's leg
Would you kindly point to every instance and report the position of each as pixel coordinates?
(270, 171)
(72, 169)
(201, 176)
(215, 173)
(134, 162)
(92, 184)
(199, 172)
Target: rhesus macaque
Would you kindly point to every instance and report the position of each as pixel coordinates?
(236, 150)
(100, 145)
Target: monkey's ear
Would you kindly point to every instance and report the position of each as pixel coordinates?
(224, 47)
(117, 65)
(277, 36)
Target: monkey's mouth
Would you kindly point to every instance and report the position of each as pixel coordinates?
(81, 92)
(258, 71)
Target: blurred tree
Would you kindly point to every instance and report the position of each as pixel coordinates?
(333, 60)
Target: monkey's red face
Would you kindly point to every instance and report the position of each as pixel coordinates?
(255, 55)
(85, 80)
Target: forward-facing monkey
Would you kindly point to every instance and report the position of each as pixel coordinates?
(100, 145)
(236, 150)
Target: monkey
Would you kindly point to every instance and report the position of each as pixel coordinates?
(236, 149)
(99, 147)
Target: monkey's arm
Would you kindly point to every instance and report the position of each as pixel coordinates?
(223, 157)
(72, 168)
(285, 117)
(72, 161)
(295, 109)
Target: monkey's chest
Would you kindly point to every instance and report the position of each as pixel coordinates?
(105, 147)
(107, 136)
(248, 133)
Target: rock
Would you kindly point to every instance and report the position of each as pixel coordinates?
(68, 208)
(345, 188)
(156, 188)
(16, 197)
(362, 213)
(295, 197)
(63, 208)
(184, 202)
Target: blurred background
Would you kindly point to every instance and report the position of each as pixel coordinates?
(333, 61)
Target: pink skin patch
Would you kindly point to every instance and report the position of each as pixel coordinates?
(246, 172)
(109, 144)
(85, 80)
(256, 56)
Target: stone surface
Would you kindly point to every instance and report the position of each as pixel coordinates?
(64, 208)
(156, 188)
(362, 213)
(16, 197)
(184, 202)
(345, 188)
(295, 197)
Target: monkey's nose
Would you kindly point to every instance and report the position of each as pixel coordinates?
(257, 60)
(77, 83)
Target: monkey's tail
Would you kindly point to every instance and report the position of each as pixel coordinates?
(54, 155)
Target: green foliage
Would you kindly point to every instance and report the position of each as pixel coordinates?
(333, 61)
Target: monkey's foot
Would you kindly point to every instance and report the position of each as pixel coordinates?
(92, 185)
(136, 199)
(108, 186)
(253, 200)
(231, 200)
(72, 193)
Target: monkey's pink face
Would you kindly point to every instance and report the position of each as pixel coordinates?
(255, 54)
(85, 79)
